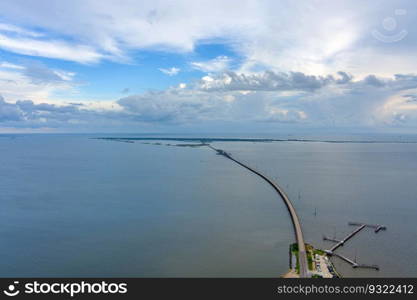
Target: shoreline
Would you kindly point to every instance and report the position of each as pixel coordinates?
(319, 263)
(206, 140)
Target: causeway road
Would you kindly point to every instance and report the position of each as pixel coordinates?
(302, 255)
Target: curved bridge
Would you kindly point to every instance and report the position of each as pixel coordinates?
(302, 256)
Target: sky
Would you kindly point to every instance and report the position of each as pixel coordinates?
(208, 66)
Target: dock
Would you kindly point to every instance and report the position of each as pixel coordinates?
(325, 238)
(355, 264)
(361, 226)
(348, 237)
(376, 227)
(348, 260)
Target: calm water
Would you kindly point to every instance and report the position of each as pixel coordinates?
(73, 206)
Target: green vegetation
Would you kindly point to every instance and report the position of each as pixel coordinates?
(310, 252)
(309, 247)
(294, 247)
(319, 252)
(310, 260)
(297, 265)
(294, 250)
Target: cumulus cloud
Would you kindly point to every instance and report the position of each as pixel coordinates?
(280, 115)
(8, 112)
(27, 111)
(287, 53)
(175, 105)
(270, 81)
(170, 71)
(33, 80)
(283, 98)
(269, 98)
(39, 73)
(373, 80)
(27, 114)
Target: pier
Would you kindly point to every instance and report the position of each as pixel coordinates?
(330, 239)
(302, 254)
(348, 260)
(354, 264)
(376, 227)
(348, 237)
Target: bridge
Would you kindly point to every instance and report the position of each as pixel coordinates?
(302, 254)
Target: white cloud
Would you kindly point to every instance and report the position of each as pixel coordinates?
(339, 103)
(15, 86)
(313, 37)
(218, 64)
(171, 71)
(281, 115)
(18, 30)
(114, 29)
(400, 108)
(317, 102)
(286, 51)
(271, 81)
(8, 65)
(33, 80)
(50, 48)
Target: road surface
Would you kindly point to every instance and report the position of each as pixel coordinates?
(302, 255)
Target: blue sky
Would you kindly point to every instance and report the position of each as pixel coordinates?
(201, 66)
